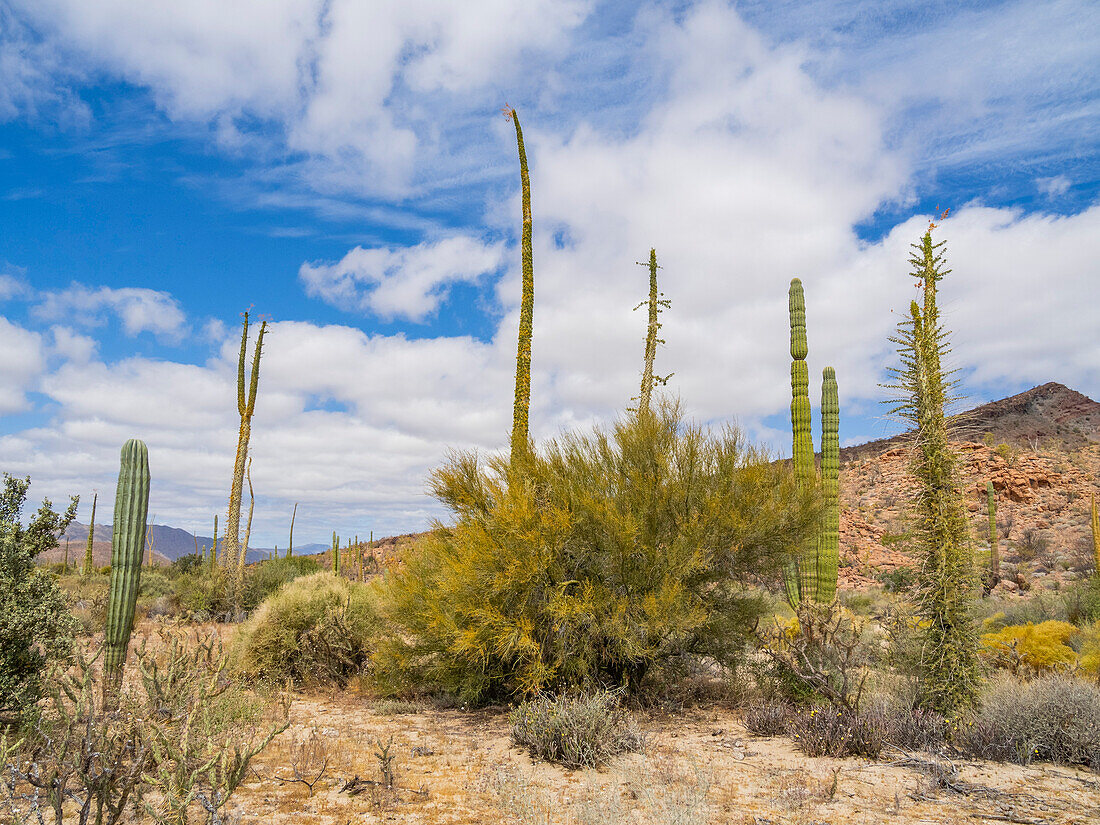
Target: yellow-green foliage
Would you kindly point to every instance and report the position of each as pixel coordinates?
(315, 629)
(593, 561)
(1088, 642)
(1038, 647)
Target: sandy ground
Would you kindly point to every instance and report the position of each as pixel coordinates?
(699, 766)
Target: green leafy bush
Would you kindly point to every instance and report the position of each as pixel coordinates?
(36, 627)
(315, 630)
(592, 561)
(1054, 718)
(263, 579)
(575, 730)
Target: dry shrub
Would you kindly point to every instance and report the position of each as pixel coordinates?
(768, 718)
(1054, 718)
(575, 730)
(315, 630)
(839, 732)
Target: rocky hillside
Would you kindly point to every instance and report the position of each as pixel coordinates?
(1041, 450)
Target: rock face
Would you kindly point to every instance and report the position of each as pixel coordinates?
(1041, 451)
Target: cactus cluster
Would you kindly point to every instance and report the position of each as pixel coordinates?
(812, 576)
(127, 544)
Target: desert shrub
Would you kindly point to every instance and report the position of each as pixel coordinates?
(317, 629)
(265, 578)
(1032, 544)
(175, 749)
(824, 654)
(1054, 718)
(898, 580)
(203, 595)
(837, 732)
(1034, 647)
(191, 563)
(36, 627)
(904, 726)
(1082, 602)
(576, 730)
(591, 561)
(764, 718)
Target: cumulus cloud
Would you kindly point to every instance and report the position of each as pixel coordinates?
(20, 368)
(13, 286)
(137, 308)
(407, 282)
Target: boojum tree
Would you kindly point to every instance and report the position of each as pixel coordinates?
(812, 575)
(88, 561)
(522, 405)
(949, 654)
(246, 406)
(656, 304)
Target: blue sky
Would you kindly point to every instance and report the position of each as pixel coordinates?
(343, 169)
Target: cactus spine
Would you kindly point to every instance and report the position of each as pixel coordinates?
(246, 406)
(128, 541)
(828, 552)
(994, 551)
(522, 406)
(88, 562)
(812, 576)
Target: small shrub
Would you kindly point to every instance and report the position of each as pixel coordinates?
(265, 578)
(1032, 544)
(1054, 718)
(1035, 647)
(315, 630)
(575, 730)
(768, 718)
(827, 731)
(898, 580)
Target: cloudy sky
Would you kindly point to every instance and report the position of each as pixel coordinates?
(342, 168)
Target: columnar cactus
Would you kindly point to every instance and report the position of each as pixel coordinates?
(522, 405)
(88, 562)
(127, 543)
(812, 576)
(1095, 535)
(656, 305)
(828, 551)
(994, 551)
(335, 553)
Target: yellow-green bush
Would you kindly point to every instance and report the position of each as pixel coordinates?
(315, 629)
(1038, 647)
(598, 560)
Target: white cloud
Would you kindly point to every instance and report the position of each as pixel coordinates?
(1053, 187)
(408, 282)
(72, 346)
(21, 366)
(139, 309)
(13, 285)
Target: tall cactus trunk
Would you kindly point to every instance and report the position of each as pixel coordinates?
(214, 548)
(522, 405)
(88, 562)
(128, 541)
(994, 550)
(800, 575)
(246, 406)
(290, 547)
(1095, 523)
(247, 533)
(828, 555)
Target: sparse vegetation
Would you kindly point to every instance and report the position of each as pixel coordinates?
(575, 730)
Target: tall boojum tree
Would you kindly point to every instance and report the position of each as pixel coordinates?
(522, 406)
(656, 304)
(949, 656)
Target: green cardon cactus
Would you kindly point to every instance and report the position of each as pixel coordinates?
(127, 544)
(812, 576)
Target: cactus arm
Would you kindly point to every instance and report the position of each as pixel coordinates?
(128, 541)
(522, 405)
(828, 554)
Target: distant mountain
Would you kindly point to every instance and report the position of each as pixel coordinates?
(168, 542)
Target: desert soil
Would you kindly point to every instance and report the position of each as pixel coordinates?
(456, 766)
